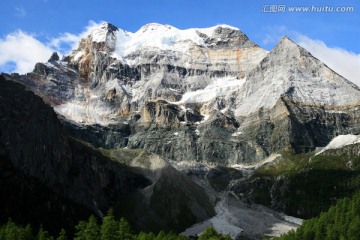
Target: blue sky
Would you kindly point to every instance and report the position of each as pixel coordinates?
(46, 20)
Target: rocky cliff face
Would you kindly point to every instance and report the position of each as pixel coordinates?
(33, 140)
(73, 179)
(207, 95)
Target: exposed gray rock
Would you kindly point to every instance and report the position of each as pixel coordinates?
(35, 144)
(54, 57)
(34, 141)
(211, 96)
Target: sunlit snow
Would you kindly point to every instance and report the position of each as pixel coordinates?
(341, 141)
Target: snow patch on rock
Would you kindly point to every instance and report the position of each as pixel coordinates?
(341, 141)
(219, 87)
(269, 159)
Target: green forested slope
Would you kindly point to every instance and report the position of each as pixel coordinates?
(109, 229)
(341, 221)
(304, 185)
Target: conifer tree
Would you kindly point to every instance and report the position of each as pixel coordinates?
(110, 227)
(28, 234)
(92, 230)
(160, 236)
(354, 229)
(124, 231)
(11, 231)
(62, 235)
(43, 235)
(80, 231)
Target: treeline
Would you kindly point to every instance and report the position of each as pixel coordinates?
(340, 222)
(109, 229)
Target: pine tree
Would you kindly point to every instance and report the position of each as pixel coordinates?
(109, 227)
(43, 235)
(80, 231)
(354, 229)
(28, 234)
(341, 221)
(209, 234)
(92, 231)
(145, 236)
(62, 235)
(11, 230)
(227, 237)
(124, 231)
(150, 236)
(142, 236)
(160, 236)
(331, 233)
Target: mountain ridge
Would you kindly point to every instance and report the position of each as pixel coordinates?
(217, 78)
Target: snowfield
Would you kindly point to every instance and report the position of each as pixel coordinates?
(219, 87)
(152, 35)
(341, 141)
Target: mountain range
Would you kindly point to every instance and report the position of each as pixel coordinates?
(160, 123)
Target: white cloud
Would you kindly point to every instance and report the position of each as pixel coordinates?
(23, 50)
(20, 51)
(68, 41)
(344, 62)
(273, 34)
(64, 42)
(20, 12)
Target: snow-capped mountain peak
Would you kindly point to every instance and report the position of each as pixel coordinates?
(155, 27)
(100, 32)
(286, 40)
(290, 70)
(164, 37)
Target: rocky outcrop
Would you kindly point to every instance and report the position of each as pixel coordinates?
(215, 141)
(34, 141)
(297, 126)
(54, 57)
(54, 81)
(312, 127)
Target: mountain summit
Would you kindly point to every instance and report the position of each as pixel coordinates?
(291, 70)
